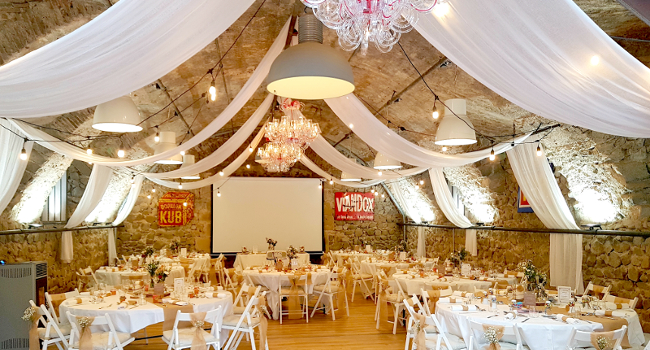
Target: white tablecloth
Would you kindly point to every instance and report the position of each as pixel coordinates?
(114, 278)
(245, 261)
(273, 281)
(132, 320)
(414, 284)
(539, 333)
(372, 267)
(339, 256)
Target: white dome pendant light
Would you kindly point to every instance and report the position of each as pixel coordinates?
(118, 115)
(384, 162)
(188, 160)
(455, 130)
(310, 70)
(167, 142)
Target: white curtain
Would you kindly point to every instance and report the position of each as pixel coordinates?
(421, 247)
(538, 55)
(445, 200)
(66, 251)
(128, 46)
(228, 113)
(534, 175)
(327, 176)
(129, 202)
(12, 167)
(331, 155)
(471, 245)
(112, 252)
(378, 136)
(98, 182)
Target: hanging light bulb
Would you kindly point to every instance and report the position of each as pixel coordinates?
(492, 156)
(351, 126)
(89, 151)
(376, 193)
(221, 173)
(121, 153)
(182, 153)
(379, 173)
(320, 186)
(539, 150)
(23, 154)
(435, 113)
(444, 148)
(218, 193)
(250, 149)
(185, 204)
(372, 190)
(153, 190)
(421, 182)
(212, 91)
(248, 166)
(157, 137)
(149, 196)
(180, 186)
(382, 195)
(331, 182)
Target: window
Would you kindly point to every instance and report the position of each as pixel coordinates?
(55, 206)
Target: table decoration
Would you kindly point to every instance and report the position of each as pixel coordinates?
(31, 315)
(492, 335)
(244, 250)
(174, 247)
(152, 269)
(147, 252)
(458, 257)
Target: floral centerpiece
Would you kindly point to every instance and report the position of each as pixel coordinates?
(292, 252)
(458, 257)
(152, 269)
(302, 248)
(174, 247)
(162, 274)
(534, 279)
(602, 342)
(147, 252)
(272, 243)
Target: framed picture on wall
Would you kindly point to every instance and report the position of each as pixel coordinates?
(522, 203)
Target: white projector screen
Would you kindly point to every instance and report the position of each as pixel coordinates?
(289, 210)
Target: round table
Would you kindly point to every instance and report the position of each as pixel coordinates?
(340, 256)
(371, 267)
(414, 284)
(113, 277)
(132, 319)
(273, 280)
(244, 261)
(540, 333)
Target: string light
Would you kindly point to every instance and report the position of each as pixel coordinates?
(351, 126)
(221, 173)
(157, 137)
(492, 156)
(23, 153)
(539, 150)
(250, 149)
(435, 113)
(153, 190)
(444, 148)
(218, 193)
(379, 173)
(320, 186)
(149, 196)
(372, 190)
(382, 195)
(180, 186)
(89, 151)
(182, 153)
(121, 153)
(185, 204)
(213, 89)
(421, 182)
(331, 181)
(595, 60)
(248, 166)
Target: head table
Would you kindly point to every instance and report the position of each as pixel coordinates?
(245, 261)
(414, 283)
(539, 333)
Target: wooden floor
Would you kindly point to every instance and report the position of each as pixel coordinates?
(354, 332)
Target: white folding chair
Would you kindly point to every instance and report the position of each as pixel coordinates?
(436, 337)
(106, 340)
(477, 337)
(53, 332)
(182, 338)
(396, 300)
(243, 324)
(302, 289)
(361, 279)
(329, 290)
(597, 291)
(89, 271)
(585, 338)
(608, 298)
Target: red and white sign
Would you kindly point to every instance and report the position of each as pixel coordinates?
(175, 209)
(354, 206)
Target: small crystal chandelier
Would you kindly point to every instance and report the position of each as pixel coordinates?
(360, 22)
(278, 157)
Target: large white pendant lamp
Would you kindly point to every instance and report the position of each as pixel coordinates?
(455, 130)
(188, 160)
(346, 177)
(384, 162)
(118, 115)
(167, 142)
(310, 70)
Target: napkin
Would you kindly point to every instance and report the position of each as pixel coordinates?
(464, 308)
(462, 294)
(511, 315)
(222, 295)
(566, 319)
(614, 306)
(167, 300)
(610, 313)
(181, 303)
(451, 300)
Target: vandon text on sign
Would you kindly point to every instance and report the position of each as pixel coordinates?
(354, 206)
(172, 210)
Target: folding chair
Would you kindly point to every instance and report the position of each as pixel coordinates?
(106, 340)
(585, 337)
(181, 338)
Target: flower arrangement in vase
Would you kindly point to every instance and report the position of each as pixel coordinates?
(534, 279)
(147, 252)
(174, 247)
(152, 269)
(272, 243)
(292, 252)
(458, 257)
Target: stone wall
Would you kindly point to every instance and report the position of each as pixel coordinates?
(90, 249)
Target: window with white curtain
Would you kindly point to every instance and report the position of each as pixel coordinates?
(56, 204)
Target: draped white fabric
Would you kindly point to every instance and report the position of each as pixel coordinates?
(66, 252)
(421, 248)
(112, 252)
(534, 175)
(471, 245)
(131, 44)
(445, 200)
(12, 167)
(538, 55)
(129, 202)
(316, 169)
(378, 136)
(330, 154)
(98, 182)
(414, 205)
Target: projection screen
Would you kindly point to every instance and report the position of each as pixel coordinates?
(289, 210)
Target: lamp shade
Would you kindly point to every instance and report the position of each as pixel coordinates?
(167, 142)
(453, 130)
(383, 162)
(188, 160)
(118, 115)
(348, 178)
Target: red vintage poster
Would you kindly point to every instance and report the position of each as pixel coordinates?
(175, 209)
(354, 206)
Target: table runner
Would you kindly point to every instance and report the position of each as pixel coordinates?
(610, 323)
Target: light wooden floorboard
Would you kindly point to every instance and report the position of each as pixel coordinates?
(351, 333)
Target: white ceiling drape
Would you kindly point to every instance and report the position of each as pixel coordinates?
(12, 167)
(445, 200)
(130, 200)
(538, 55)
(100, 178)
(318, 170)
(128, 46)
(378, 136)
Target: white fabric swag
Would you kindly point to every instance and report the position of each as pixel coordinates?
(534, 175)
(538, 55)
(12, 167)
(421, 249)
(112, 251)
(378, 136)
(247, 91)
(66, 252)
(129, 202)
(128, 46)
(98, 182)
(471, 244)
(318, 170)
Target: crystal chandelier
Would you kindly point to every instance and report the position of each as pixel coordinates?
(278, 157)
(360, 22)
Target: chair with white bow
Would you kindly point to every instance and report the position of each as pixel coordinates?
(435, 337)
(479, 341)
(182, 338)
(246, 323)
(51, 332)
(106, 340)
(613, 339)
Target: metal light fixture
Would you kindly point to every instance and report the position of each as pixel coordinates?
(310, 70)
(167, 142)
(118, 115)
(385, 162)
(188, 160)
(455, 130)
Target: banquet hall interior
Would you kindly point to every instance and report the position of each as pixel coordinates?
(371, 174)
